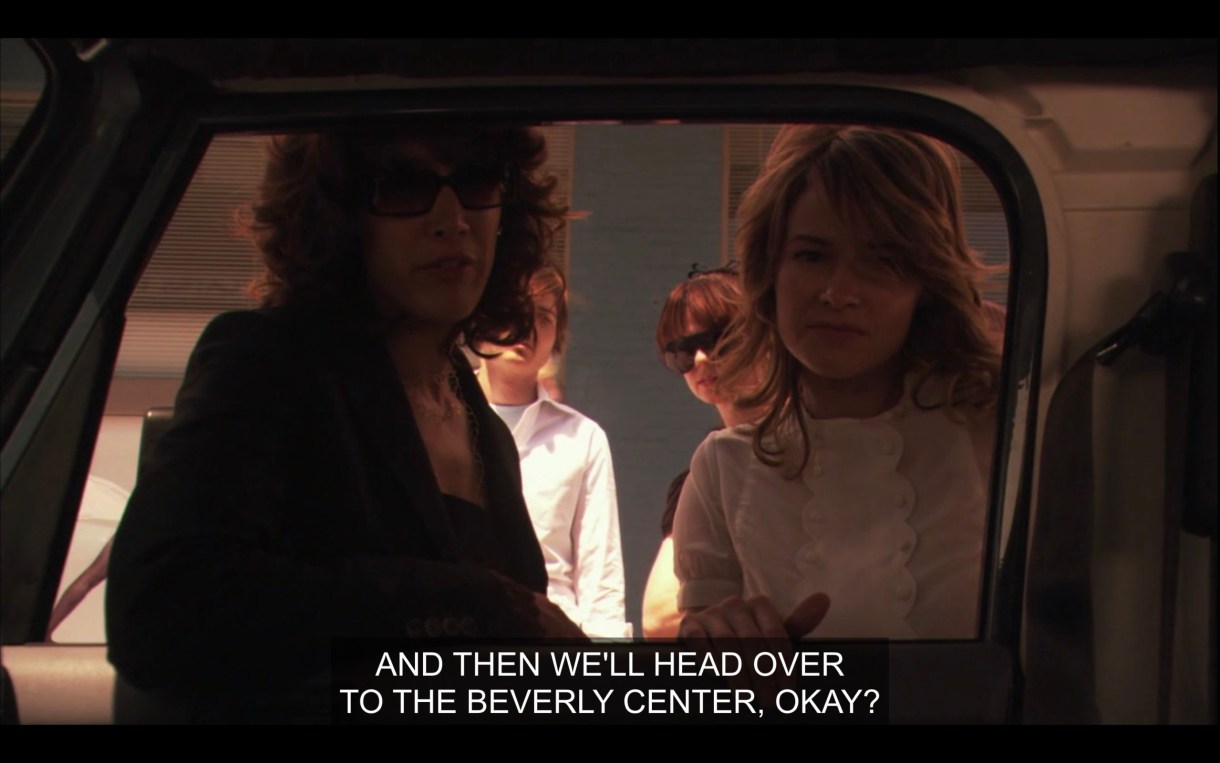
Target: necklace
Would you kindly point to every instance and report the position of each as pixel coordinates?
(472, 422)
(444, 411)
(437, 408)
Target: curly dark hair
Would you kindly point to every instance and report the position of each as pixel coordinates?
(307, 219)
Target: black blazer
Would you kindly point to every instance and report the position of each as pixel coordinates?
(292, 501)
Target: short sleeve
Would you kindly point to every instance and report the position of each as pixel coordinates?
(705, 560)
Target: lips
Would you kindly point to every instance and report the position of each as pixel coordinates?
(845, 330)
(450, 262)
(453, 268)
(838, 333)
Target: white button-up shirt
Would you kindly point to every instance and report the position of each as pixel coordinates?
(568, 480)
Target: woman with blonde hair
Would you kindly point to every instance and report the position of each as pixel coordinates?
(857, 505)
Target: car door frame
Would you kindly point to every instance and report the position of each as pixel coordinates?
(129, 160)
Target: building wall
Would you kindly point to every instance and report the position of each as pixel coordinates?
(653, 196)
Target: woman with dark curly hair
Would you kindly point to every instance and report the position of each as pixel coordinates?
(333, 468)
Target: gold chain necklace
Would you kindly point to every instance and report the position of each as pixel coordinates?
(442, 411)
(445, 411)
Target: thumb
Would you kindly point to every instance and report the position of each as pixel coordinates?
(807, 615)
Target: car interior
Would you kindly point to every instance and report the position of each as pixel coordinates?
(1088, 176)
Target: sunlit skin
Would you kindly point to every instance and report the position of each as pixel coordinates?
(843, 310)
(702, 380)
(511, 376)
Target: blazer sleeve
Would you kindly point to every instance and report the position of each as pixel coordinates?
(203, 589)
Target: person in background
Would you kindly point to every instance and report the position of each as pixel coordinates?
(566, 470)
(692, 322)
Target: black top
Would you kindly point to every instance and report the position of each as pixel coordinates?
(476, 538)
(289, 504)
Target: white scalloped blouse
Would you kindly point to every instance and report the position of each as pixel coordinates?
(887, 518)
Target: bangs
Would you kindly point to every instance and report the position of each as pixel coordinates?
(704, 301)
(902, 198)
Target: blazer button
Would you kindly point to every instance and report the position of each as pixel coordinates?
(452, 626)
(432, 626)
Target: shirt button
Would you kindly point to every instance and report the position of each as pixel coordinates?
(902, 591)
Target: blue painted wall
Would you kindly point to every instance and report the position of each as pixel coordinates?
(653, 195)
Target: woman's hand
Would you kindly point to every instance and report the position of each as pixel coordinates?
(748, 627)
(754, 618)
(549, 619)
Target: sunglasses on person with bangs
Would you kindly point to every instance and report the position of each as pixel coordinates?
(409, 190)
(679, 355)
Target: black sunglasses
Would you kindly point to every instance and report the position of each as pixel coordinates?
(679, 355)
(408, 191)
